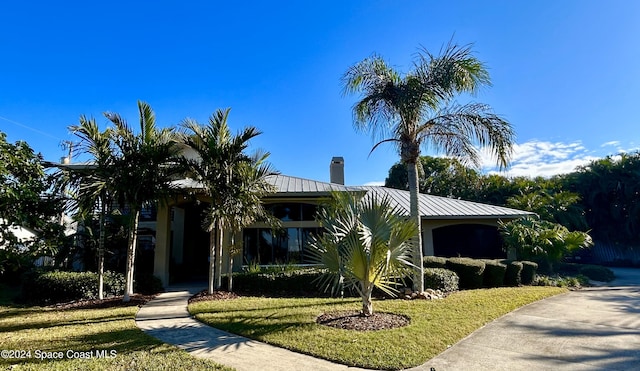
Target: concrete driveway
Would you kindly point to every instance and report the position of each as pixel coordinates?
(596, 328)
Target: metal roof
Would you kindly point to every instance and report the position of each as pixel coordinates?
(436, 207)
(430, 207)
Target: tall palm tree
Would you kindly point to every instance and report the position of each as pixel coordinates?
(368, 244)
(233, 180)
(416, 109)
(143, 171)
(94, 186)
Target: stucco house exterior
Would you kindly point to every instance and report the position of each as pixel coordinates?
(180, 247)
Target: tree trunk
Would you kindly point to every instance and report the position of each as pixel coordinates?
(218, 260)
(212, 254)
(418, 277)
(103, 211)
(230, 265)
(367, 305)
(131, 256)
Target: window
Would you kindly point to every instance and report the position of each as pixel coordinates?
(288, 246)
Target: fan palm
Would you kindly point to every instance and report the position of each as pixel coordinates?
(142, 172)
(367, 244)
(234, 181)
(415, 110)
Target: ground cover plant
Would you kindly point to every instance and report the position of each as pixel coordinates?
(80, 331)
(434, 324)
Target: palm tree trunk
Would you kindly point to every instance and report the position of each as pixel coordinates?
(367, 305)
(218, 260)
(101, 243)
(212, 254)
(131, 256)
(230, 265)
(418, 277)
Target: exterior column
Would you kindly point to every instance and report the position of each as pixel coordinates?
(427, 240)
(163, 244)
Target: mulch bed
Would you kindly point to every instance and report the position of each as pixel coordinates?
(217, 295)
(113, 302)
(353, 320)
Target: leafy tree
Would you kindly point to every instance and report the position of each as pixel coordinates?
(26, 200)
(438, 176)
(535, 239)
(416, 110)
(367, 244)
(143, 171)
(559, 207)
(234, 181)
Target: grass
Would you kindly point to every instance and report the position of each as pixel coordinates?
(435, 325)
(37, 330)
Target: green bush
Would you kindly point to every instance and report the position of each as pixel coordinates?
(597, 273)
(147, 284)
(298, 282)
(567, 268)
(560, 281)
(434, 262)
(528, 274)
(48, 287)
(513, 275)
(494, 273)
(469, 270)
(441, 279)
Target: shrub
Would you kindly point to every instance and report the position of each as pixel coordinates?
(513, 275)
(560, 281)
(567, 268)
(469, 270)
(147, 284)
(597, 273)
(44, 287)
(528, 272)
(441, 279)
(494, 273)
(298, 282)
(434, 262)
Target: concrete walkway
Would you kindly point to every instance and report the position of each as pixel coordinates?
(166, 318)
(591, 329)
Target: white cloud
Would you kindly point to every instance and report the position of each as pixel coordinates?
(613, 143)
(542, 158)
(375, 183)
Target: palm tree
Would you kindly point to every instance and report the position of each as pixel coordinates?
(94, 185)
(233, 180)
(143, 171)
(367, 244)
(415, 110)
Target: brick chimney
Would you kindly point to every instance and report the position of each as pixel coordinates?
(336, 170)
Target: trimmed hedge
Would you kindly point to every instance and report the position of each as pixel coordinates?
(48, 287)
(528, 274)
(494, 272)
(513, 275)
(441, 279)
(434, 262)
(299, 282)
(469, 270)
(597, 273)
(147, 284)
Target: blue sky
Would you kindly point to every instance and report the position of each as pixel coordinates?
(565, 73)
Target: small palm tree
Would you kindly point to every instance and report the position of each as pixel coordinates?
(93, 184)
(142, 172)
(366, 244)
(234, 181)
(416, 109)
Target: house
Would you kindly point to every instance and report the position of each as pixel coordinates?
(450, 227)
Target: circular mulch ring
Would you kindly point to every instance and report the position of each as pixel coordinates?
(217, 295)
(353, 320)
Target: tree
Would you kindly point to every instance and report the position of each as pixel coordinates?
(26, 201)
(416, 110)
(142, 172)
(93, 183)
(533, 239)
(367, 244)
(233, 180)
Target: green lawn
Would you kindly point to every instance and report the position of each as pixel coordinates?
(36, 330)
(435, 325)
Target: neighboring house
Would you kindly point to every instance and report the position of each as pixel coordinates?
(450, 227)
